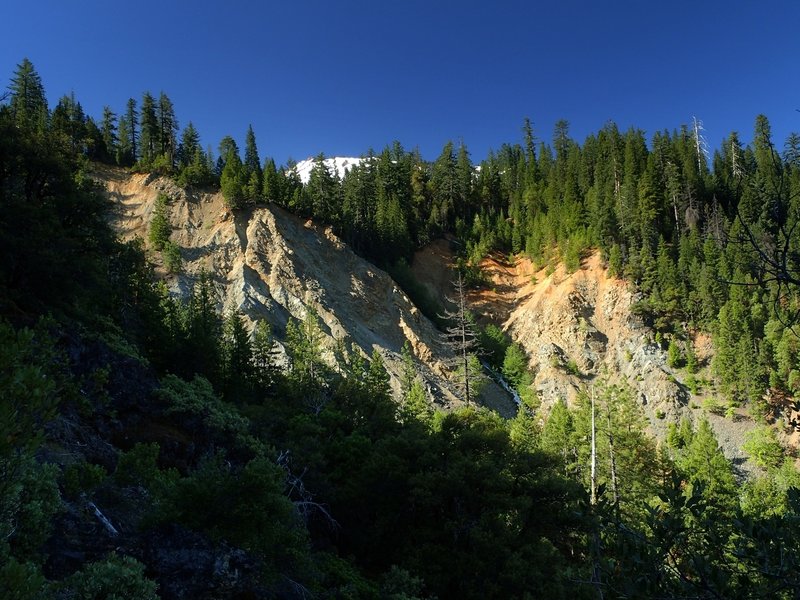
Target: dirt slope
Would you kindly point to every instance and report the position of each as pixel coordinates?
(578, 329)
(271, 265)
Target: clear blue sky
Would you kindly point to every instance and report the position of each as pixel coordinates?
(340, 77)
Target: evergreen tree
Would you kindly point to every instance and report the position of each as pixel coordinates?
(232, 176)
(252, 169)
(108, 130)
(304, 348)
(149, 136)
(160, 227)
(444, 189)
(271, 190)
(69, 122)
(236, 353)
(703, 463)
(264, 354)
(322, 191)
(462, 339)
(202, 328)
(167, 130)
(27, 101)
(188, 146)
(128, 150)
(251, 160)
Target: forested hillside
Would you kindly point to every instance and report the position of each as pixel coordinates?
(151, 447)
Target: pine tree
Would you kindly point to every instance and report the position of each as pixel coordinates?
(149, 137)
(444, 189)
(271, 190)
(28, 103)
(465, 174)
(237, 358)
(188, 146)
(108, 130)
(128, 150)
(167, 130)
(702, 461)
(461, 338)
(232, 174)
(203, 327)
(264, 354)
(251, 160)
(322, 191)
(160, 227)
(304, 348)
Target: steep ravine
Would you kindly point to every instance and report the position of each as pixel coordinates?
(577, 328)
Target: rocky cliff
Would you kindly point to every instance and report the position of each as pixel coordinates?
(269, 264)
(577, 328)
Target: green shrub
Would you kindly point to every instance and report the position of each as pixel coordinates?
(82, 478)
(572, 368)
(21, 581)
(29, 509)
(172, 257)
(674, 355)
(764, 448)
(139, 466)
(116, 578)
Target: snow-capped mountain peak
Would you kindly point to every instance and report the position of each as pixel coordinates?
(337, 164)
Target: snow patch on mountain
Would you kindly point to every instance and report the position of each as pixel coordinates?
(336, 164)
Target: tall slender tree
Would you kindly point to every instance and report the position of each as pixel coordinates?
(167, 129)
(149, 131)
(128, 149)
(461, 337)
(28, 103)
(108, 131)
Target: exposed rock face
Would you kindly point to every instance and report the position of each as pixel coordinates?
(576, 328)
(579, 329)
(269, 264)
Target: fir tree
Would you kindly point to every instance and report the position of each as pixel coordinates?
(461, 338)
(167, 130)
(108, 130)
(149, 131)
(27, 102)
(252, 162)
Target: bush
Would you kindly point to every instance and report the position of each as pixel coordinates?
(674, 355)
(172, 257)
(139, 466)
(82, 477)
(494, 343)
(22, 581)
(33, 503)
(764, 448)
(116, 578)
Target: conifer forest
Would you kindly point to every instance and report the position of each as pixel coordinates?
(153, 445)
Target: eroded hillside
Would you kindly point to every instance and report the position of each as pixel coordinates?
(269, 264)
(577, 328)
